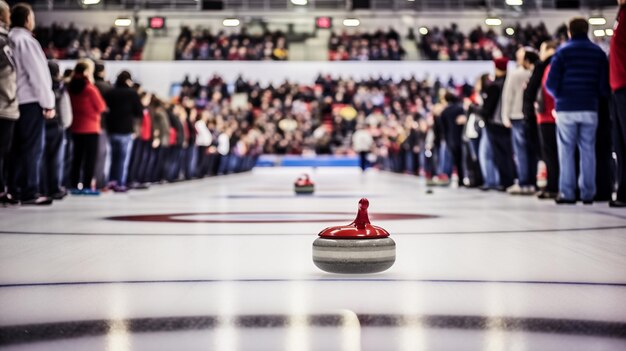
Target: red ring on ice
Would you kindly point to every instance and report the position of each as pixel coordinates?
(172, 217)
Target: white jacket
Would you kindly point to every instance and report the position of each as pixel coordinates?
(513, 94)
(203, 134)
(33, 76)
(362, 140)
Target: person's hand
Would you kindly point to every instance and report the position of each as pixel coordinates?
(507, 123)
(621, 2)
(49, 113)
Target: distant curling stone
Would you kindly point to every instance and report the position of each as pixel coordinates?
(304, 185)
(358, 247)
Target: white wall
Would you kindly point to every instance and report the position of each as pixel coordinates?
(158, 76)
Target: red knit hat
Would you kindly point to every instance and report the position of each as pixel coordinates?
(501, 63)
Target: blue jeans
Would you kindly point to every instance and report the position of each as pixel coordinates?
(121, 146)
(445, 160)
(577, 129)
(520, 152)
(485, 158)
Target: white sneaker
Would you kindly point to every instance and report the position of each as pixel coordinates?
(528, 190)
(514, 189)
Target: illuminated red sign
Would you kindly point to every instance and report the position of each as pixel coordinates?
(323, 22)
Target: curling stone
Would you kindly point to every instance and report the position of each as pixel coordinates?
(358, 247)
(304, 185)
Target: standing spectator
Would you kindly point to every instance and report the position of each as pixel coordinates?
(125, 110)
(204, 139)
(617, 60)
(54, 150)
(160, 140)
(104, 153)
(498, 135)
(578, 78)
(453, 119)
(87, 105)
(547, 124)
(9, 112)
(513, 117)
(362, 143)
(36, 99)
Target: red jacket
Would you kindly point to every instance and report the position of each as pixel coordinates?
(546, 117)
(87, 106)
(617, 57)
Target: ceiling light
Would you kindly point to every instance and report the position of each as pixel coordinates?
(597, 21)
(299, 2)
(351, 22)
(230, 22)
(90, 2)
(515, 2)
(123, 22)
(599, 32)
(510, 31)
(608, 32)
(423, 30)
(493, 21)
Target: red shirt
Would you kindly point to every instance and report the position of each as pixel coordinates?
(87, 106)
(548, 102)
(617, 57)
(146, 126)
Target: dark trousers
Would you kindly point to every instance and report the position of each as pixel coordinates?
(203, 164)
(52, 162)
(28, 143)
(6, 138)
(550, 155)
(189, 162)
(500, 138)
(456, 150)
(174, 157)
(121, 148)
(618, 109)
(103, 161)
(363, 160)
(84, 161)
(605, 170)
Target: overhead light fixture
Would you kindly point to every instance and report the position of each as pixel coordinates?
(597, 21)
(510, 31)
(351, 22)
(123, 22)
(493, 21)
(515, 2)
(423, 30)
(90, 2)
(299, 2)
(599, 32)
(230, 22)
(608, 32)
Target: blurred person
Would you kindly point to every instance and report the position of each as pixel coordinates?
(362, 143)
(544, 106)
(125, 110)
(9, 111)
(142, 146)
(453, 120)
(103, 162)
(87, 107)
(617, 60)
(36, 103)
(160, 139)
(513, 118)
(498, 135)
(578, 79)
(55, 138)
(203, 142)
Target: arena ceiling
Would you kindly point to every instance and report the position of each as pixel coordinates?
(273, 5)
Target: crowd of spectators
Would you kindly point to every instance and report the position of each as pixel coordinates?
(451, 44)
(203, 44)
(488, 134)
(61, 42)
(358, 46)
